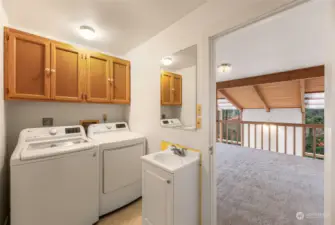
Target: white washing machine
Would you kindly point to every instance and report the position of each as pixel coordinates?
(120, 167)
(54, 177)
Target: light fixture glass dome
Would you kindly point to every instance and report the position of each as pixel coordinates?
(225, 68)
(87, 32)
(167, 60)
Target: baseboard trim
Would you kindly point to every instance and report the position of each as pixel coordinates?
(6, 221)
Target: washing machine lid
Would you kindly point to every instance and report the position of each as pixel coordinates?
(43, 149)
(118, 137)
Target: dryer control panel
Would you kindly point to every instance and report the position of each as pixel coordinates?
(107, 127)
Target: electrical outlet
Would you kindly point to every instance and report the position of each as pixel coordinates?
(199, 110)
(199, 121)
(47, 122)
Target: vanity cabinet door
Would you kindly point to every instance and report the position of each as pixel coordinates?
(177, 89)
(120, 81)
(157, 197)
(98, 85)
(67, 70)
(27, 69)
(166, 88)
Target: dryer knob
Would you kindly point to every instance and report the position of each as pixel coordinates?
(53, 131)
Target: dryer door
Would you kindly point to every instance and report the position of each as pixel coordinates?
(121, 166)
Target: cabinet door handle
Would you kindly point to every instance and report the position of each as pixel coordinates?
(168, 181)
(110, 80)
(47, 70)
(53, 70)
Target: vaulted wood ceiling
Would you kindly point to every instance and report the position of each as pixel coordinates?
(279, 90)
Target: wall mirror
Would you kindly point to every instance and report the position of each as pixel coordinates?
(179, 89)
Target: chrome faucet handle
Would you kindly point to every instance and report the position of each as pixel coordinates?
(183, 151)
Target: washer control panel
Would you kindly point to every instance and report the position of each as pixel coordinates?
(33, 134)
(72, 130)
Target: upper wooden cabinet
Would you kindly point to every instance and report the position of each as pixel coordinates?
(66, 73)
(37, 68)
(27, 66)
(171, 88)
(177, 89)
(120, 81)
(98, 76)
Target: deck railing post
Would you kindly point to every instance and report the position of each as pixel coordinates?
(293, 140)
(269, 137)
(242, 134)
(277, 145)
(221, 128)
(314, 143)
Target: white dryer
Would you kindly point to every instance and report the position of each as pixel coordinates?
(120, 152)
(54, 177)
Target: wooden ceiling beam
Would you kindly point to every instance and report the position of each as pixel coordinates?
(305, 73)
(302, 95)
(230, 99)
(261, 97)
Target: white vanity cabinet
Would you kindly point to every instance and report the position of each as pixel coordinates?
(170, 196)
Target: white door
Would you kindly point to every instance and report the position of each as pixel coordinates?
(157, 197)
(121, 167)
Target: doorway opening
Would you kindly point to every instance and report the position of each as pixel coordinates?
(270, 147)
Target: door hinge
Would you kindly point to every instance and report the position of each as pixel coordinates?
(210, 150)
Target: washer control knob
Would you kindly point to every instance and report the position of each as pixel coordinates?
(53, 131)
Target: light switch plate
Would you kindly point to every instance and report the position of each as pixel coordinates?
(199, 121)
(199, 110)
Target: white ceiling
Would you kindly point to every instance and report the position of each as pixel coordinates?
(120, 24)
(289, 40)
(183, 59)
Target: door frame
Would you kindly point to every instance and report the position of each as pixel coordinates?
(212, 99)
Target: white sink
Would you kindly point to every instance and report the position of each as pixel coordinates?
(170, 162)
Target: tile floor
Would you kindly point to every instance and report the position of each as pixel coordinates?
(128, 215)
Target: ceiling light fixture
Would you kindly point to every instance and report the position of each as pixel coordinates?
(167, 60)
(225, 68)
(87, 32)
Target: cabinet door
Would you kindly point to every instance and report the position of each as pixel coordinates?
(98, 85)
(67, 67)
(157, 197)
(28, 66)
(177, 90)
(120, 81)
(166, 87)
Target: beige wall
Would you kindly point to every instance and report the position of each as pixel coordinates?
(28, 114)
(195, 28)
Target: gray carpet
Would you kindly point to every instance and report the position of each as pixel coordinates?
(257, 187)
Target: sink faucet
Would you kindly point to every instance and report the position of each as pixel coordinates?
(178, 151)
